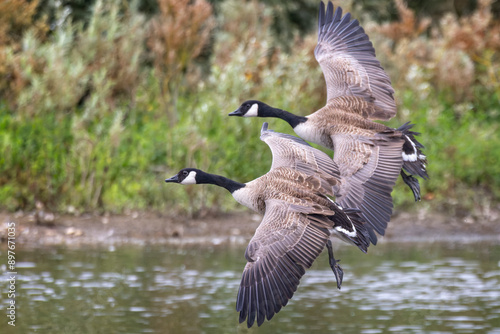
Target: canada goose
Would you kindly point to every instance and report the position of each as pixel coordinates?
(370, 155)
(297, 219)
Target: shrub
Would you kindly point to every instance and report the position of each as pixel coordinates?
(16, 17)
(100, 60)
(453, 58)
(71, 83)
(177, 35)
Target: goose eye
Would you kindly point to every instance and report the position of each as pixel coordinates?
(185, 173)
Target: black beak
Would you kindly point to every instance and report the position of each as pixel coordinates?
(236, 113)
(174, 178)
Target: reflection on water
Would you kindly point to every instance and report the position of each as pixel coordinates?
(438, 288)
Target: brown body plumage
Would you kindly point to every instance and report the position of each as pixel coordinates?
(287, 185)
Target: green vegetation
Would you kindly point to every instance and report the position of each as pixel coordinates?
(95, 114)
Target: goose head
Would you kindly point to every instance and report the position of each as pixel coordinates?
(252, 108)
(188, 176)
(196, 176)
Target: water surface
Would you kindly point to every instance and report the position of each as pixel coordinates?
(396, 288)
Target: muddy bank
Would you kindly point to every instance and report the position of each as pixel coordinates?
(142, 228)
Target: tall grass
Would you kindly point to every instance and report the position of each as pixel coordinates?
(101, 112)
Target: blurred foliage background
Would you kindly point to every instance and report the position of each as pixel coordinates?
(102, 100)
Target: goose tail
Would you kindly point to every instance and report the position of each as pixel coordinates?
(350, 227)
(414, 161)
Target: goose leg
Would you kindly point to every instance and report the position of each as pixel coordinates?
(337, 270)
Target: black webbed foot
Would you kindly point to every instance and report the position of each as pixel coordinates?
(334, 264)
(339, 273)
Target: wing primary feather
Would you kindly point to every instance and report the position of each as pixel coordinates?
(350, 25)
(337, 16)
(251, 306)
(321, 15)
(240, 299)
(244, 305)
(270, 301)
(343, 22)
(329, 14)
(278, 297)
(262, 308)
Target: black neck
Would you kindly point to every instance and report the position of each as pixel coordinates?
(292, 119)
(221, 181)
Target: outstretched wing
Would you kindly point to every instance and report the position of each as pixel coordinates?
(369, 169)
(293, 152)
(347, 59)
(285, 244)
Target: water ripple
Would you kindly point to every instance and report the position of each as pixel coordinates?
(442, 295)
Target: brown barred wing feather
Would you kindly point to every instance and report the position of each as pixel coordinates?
(284, 245)
(347, 59)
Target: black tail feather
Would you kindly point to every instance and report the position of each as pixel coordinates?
(413, 184)
(344, 220)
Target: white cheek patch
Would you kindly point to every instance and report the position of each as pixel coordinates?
(253, 111)
(190, 179)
